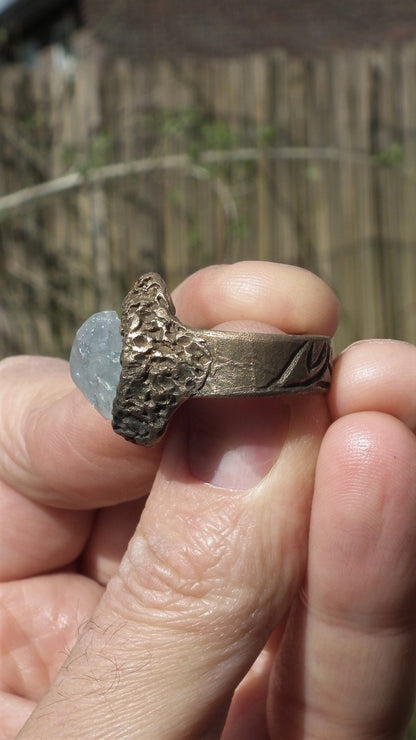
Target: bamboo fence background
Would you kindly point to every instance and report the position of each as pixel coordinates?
(109, 168)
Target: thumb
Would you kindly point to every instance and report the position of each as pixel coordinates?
(212, 568)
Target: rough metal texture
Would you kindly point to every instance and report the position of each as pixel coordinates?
(164, 362)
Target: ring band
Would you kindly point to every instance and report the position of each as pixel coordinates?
(164, 362)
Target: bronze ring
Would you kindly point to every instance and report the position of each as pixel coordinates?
(164, 362)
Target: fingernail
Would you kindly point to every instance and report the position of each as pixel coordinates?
(233, 443)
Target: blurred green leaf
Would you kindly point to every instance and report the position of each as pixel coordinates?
(391, 156)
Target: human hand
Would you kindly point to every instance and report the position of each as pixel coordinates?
(242, 554)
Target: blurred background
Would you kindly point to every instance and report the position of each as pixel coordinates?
(167, 135)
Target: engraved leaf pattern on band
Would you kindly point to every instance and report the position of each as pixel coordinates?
(308, 366)
(164, 362)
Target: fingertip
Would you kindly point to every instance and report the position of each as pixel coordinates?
(379, 375)
(352, 630)
(362, 441)
(364, 514)
(290, 297)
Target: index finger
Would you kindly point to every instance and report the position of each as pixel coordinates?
(55, 448)
(291, 298)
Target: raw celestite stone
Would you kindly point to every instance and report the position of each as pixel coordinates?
(95, 360)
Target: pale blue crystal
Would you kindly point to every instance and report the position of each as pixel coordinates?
(95, 360)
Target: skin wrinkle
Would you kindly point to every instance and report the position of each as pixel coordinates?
(82, 427)
(16, 433)
(390, 716)
(360, 624)
(10, 653)
(219, 297)
(15, 710)
(52, 625)
(211, 519)
(315, 708)
(13, 455)
(100, 561)
(78, 453)
(92, 461)
(156, 636)
(103, 680)
(20, 687)
(48, 643)
(377, 732)
(70, 530)
(196, 596)
(168, 589)
(233, 626)
(176, 656)
(194, 560)
(366, 521)
(360, 634)
(191, 591)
